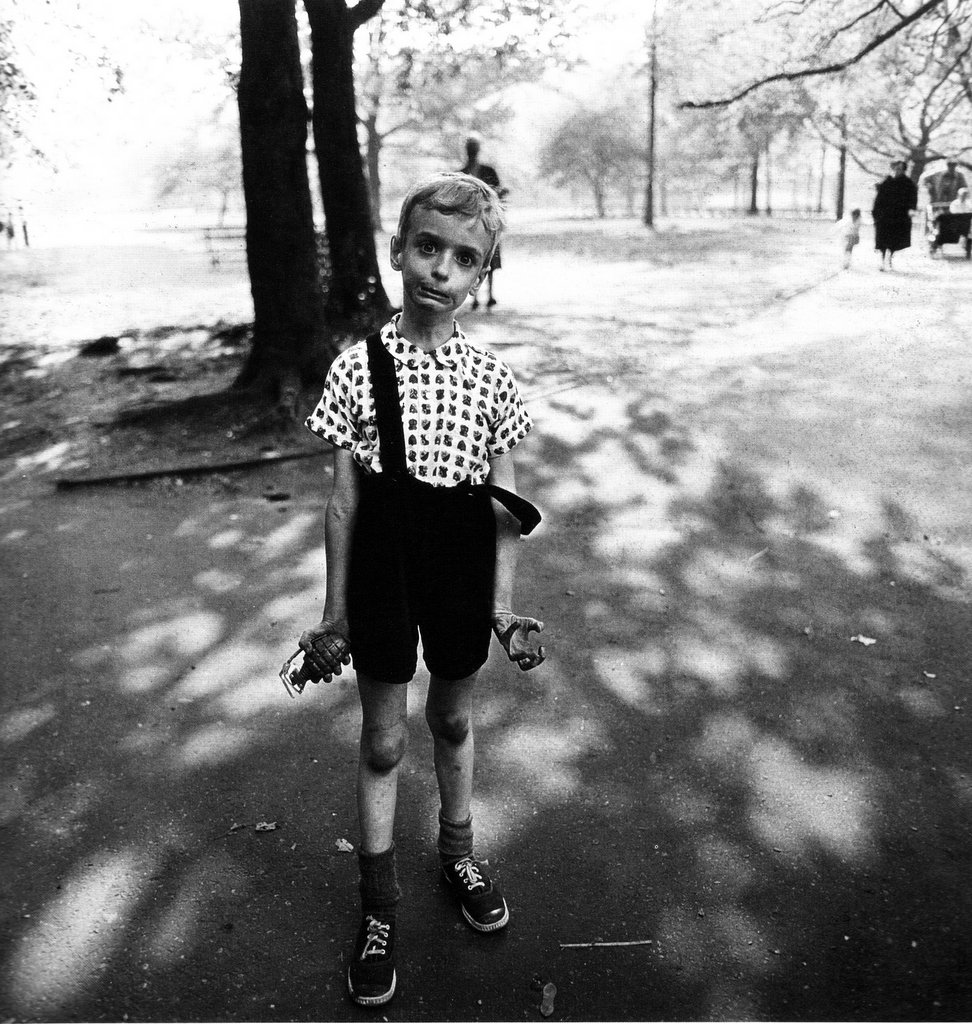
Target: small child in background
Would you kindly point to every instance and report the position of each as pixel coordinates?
(849, 234)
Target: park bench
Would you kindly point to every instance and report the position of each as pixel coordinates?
(225, 243)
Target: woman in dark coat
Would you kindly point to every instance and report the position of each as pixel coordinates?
(894, 204)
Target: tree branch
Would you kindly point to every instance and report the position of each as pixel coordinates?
(828, 69)
(856, 21)
(363, 10)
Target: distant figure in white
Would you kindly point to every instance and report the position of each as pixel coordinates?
(849, 235)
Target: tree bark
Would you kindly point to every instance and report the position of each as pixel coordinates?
(768, 174)
(373, 145)
(753, 210)
(288, 307)
(841, 169)
(356, 297)
(648, 215)
(823, 176)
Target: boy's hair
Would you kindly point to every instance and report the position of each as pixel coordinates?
(455, 192)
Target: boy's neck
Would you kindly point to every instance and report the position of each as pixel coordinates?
(426, 333)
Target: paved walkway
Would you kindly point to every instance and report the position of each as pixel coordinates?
(739, 789)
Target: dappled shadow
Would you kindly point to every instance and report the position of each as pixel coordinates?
(782, 809)
(708, 759)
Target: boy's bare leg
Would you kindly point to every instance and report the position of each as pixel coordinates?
(384, 736)
(448, 711)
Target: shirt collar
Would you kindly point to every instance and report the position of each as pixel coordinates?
(449, 353)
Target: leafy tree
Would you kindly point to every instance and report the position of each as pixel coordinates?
(16, 95)
(596, 148)
(909, 103)
(762, 118)
(442, 70)
(208, 161)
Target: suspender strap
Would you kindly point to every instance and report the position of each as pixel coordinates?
(388, 409)
(518, 507)
(391, 434)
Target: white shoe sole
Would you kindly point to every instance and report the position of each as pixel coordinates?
(495, 926)
(372, 1000)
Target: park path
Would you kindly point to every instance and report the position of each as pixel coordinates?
(748, 752)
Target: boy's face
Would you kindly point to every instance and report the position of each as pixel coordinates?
(441, 258)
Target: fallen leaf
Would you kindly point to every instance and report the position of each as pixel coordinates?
(549, 992)
(266, 826)
(344, 846)
(929, 675)
(865, 640)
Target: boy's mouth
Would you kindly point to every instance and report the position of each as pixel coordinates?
(433, 293)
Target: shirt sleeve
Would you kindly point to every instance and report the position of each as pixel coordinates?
(512, 422)
(333, 418)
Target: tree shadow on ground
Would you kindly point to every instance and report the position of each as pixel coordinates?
(707, 760)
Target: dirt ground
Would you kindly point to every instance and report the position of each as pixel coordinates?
(739, 788)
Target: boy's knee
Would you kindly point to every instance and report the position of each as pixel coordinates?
(450, 726)
(384, 749)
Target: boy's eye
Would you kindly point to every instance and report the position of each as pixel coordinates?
(464, 260)
(427, 247)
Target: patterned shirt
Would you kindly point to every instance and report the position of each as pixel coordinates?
(460, 404)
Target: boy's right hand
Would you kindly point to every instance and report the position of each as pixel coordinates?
(327, 647)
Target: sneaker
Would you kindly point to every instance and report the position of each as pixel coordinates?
(482, 903)
(371, 975)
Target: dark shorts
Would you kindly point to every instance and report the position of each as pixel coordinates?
(422, 563)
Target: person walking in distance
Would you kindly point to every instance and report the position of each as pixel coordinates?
(486, 173)
(894, 205)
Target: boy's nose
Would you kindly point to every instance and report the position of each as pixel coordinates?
(440, 269)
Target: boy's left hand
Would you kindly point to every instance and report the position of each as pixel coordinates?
(513, 632)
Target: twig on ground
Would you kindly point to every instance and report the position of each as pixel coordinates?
(591, 945)
(196, 469)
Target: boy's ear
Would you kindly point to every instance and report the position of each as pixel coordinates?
(480, 278)
(395, 253)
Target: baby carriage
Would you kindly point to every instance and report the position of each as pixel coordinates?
(944, 228)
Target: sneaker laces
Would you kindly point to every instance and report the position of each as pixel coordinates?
(377, 941)
(468, 871)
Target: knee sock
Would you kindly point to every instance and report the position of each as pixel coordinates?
(379, 883)
(455, 839)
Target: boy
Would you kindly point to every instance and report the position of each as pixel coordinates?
(849, 234)
(423, 425)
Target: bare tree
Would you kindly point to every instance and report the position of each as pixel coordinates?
(834, 36)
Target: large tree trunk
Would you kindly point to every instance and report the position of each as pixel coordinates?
(356, 297)
(288, 307)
